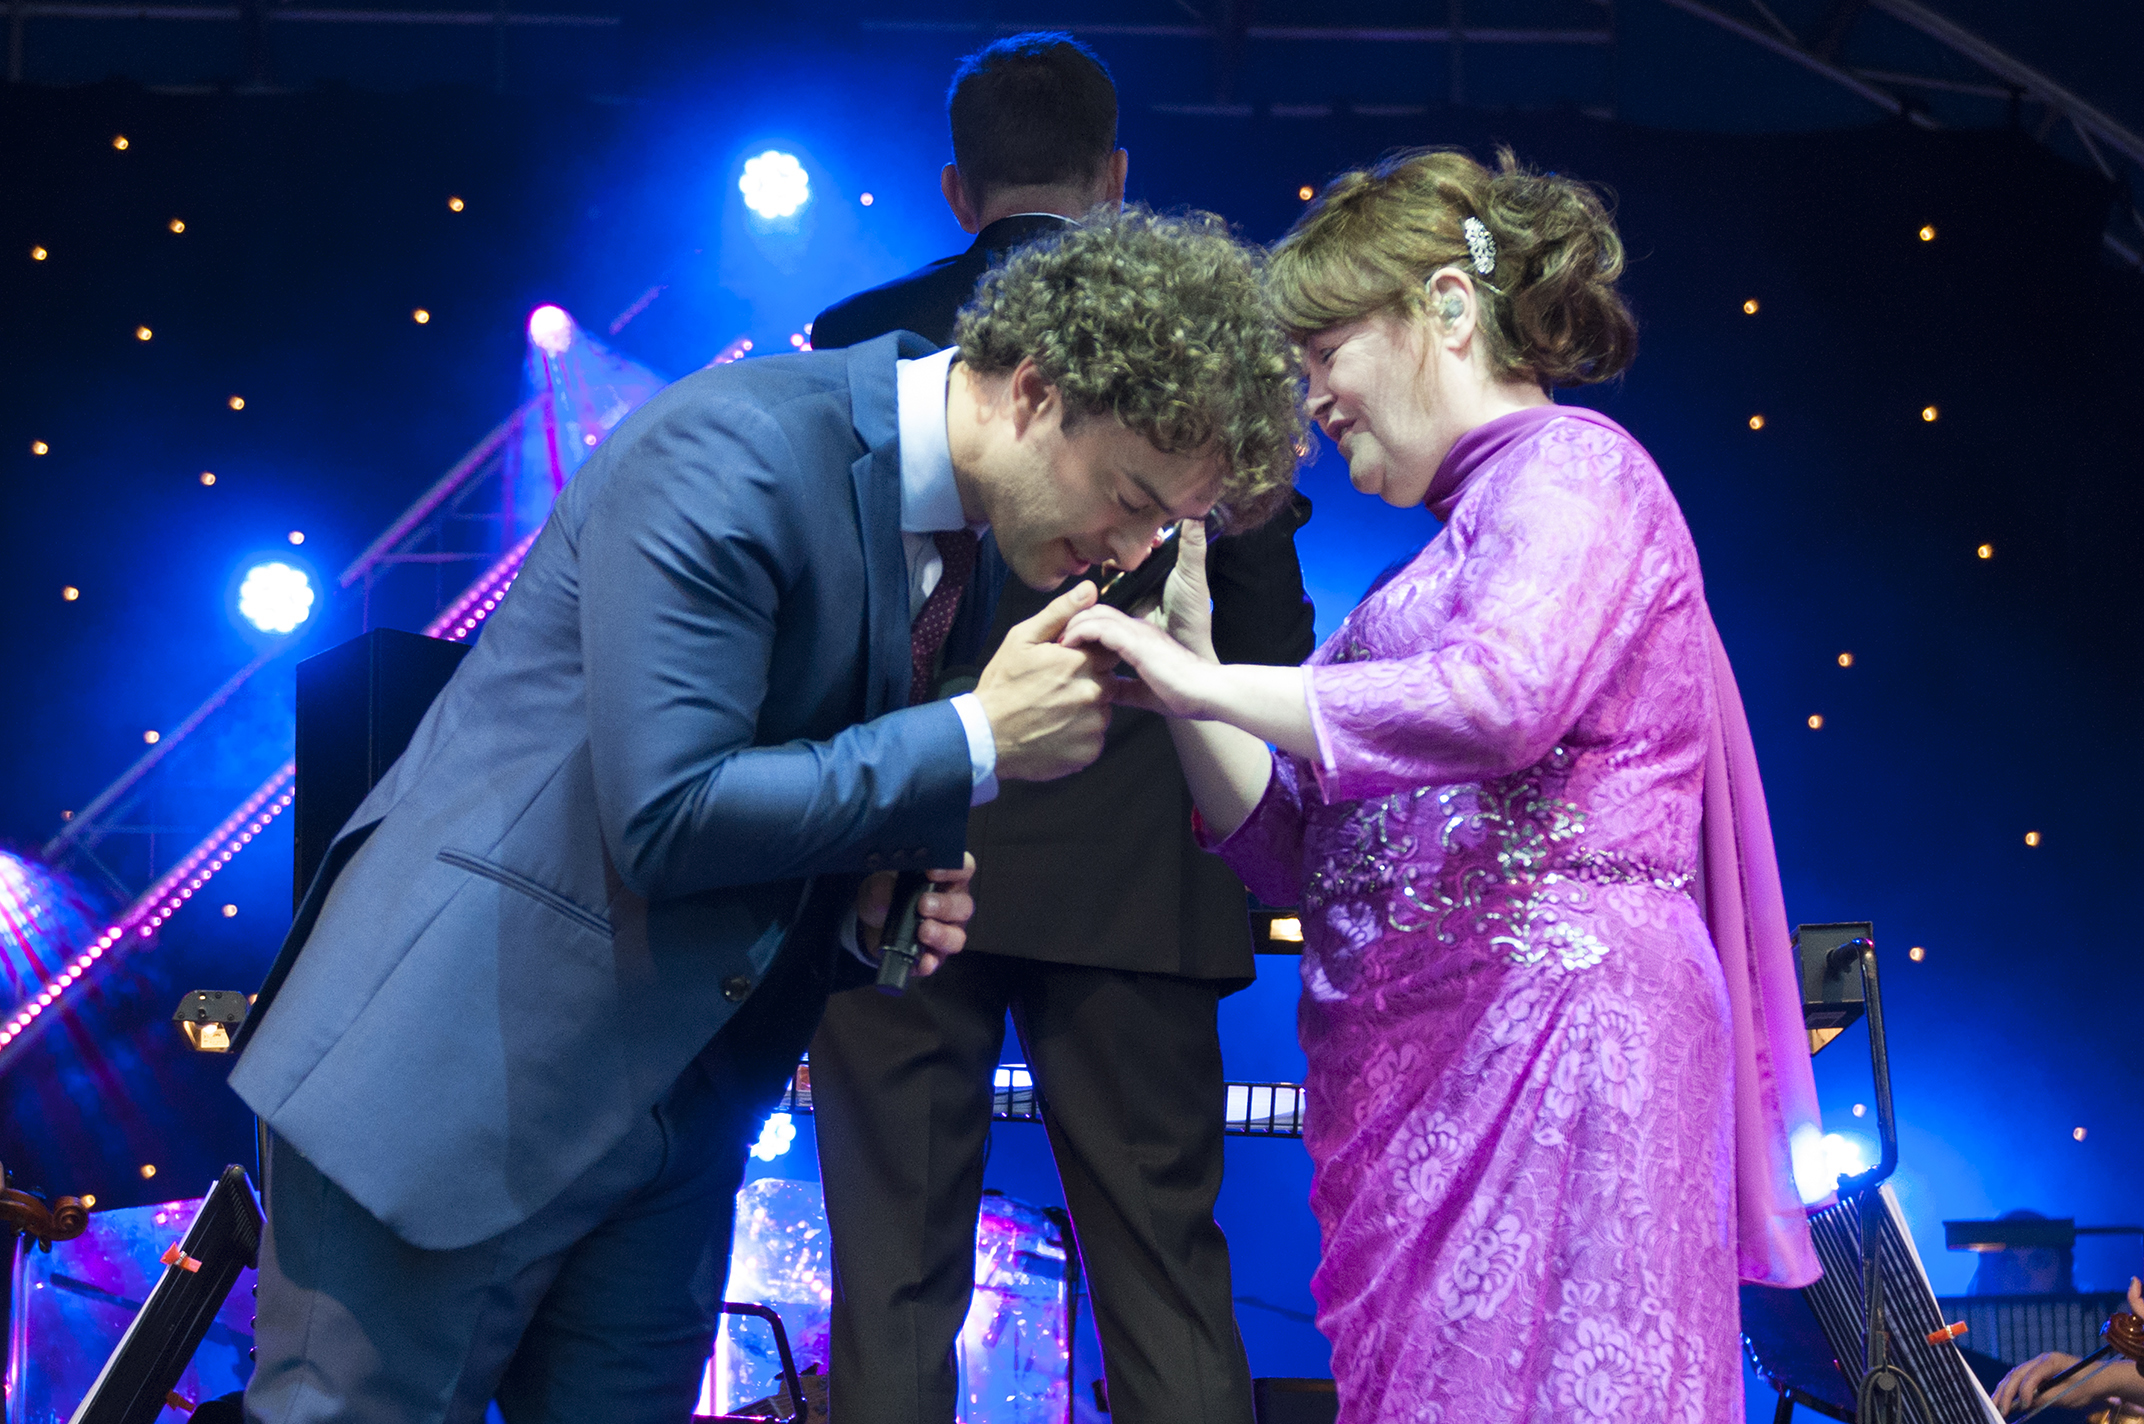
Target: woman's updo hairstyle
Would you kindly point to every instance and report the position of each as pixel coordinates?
(1550, 310)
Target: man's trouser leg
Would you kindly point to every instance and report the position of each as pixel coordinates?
(901, 1105)
(600, 1306)
(1129, 1067)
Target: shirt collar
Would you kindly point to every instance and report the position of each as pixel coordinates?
(930, 499)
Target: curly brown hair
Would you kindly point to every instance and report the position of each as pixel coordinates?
(1162, 322)
(1551, 310)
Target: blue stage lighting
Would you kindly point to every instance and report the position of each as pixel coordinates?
(275, 597)
(774, 184)
(775, 1137)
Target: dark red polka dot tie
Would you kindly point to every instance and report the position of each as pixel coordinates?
(934, 620)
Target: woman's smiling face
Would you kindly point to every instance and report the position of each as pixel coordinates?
(1371, 393)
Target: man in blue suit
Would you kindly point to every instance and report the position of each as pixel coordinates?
(548, 966)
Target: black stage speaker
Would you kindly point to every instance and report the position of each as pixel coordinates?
(358, 706)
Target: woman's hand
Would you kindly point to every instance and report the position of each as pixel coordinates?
(1172, 680)
(941, 929)
(1186, 610)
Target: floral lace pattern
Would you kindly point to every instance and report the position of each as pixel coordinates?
(1520, 1095)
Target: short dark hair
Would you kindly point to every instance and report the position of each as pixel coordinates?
(1031, 109)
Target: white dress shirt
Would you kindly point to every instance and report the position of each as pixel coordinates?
(930, 504)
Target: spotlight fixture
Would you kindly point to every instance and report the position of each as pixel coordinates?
(176, 225)
(454, 205)
(551, 329)
(1756, 422)
(236, 402)
(774, 185)
(275, 597)
(119, 141)
(209, 1018)
(420, 316)
(38, 254)
(1749, 308)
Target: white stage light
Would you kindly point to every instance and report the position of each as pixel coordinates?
(551, 329)
(775, 1137)
(275, 597)
(774, 184)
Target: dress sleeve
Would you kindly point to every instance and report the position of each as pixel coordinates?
(1559, 570)
(1266, 851)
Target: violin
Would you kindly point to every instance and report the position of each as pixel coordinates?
(2123, 1335)
(63, 1220)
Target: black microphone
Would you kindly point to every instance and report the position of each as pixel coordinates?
(904, 916)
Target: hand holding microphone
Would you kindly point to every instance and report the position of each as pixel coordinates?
(915, 920)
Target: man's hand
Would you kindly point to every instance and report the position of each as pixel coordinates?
(946, 909)
(1046, 704)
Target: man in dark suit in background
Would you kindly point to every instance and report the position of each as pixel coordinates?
(1099, 923)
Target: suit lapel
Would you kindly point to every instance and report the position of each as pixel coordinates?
(877, 481)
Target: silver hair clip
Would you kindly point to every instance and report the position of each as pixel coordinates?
(1480, 246)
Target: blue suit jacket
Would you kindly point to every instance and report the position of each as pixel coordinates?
(691, 704)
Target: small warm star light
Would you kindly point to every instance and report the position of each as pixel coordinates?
(38, 254)
(1816, 721)
(297, 536)
(236, 402)
(230, 912)
(1304, 193)
(1861, 1109)
(1749, 308)
(796, 339)
(70, 593)
(1985, 551)
(1929, 414)
(1928, 232)
(89, 1198)
(2032, 838)
(152, 736)
(867, 200)
(142, 333)
(454, 205)
(39, 447)
(2076, 1134)
(420, 316)
(207, 478)
(119, 141)
(176, 225)
(1917, 954)
(1756, 422)
(1846, 660)
(589, 439)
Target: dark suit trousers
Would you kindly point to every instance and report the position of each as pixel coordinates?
(1129, 1068)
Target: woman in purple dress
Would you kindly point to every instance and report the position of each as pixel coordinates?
(1554, 1037)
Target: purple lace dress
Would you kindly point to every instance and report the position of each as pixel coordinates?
(1521, 1083)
